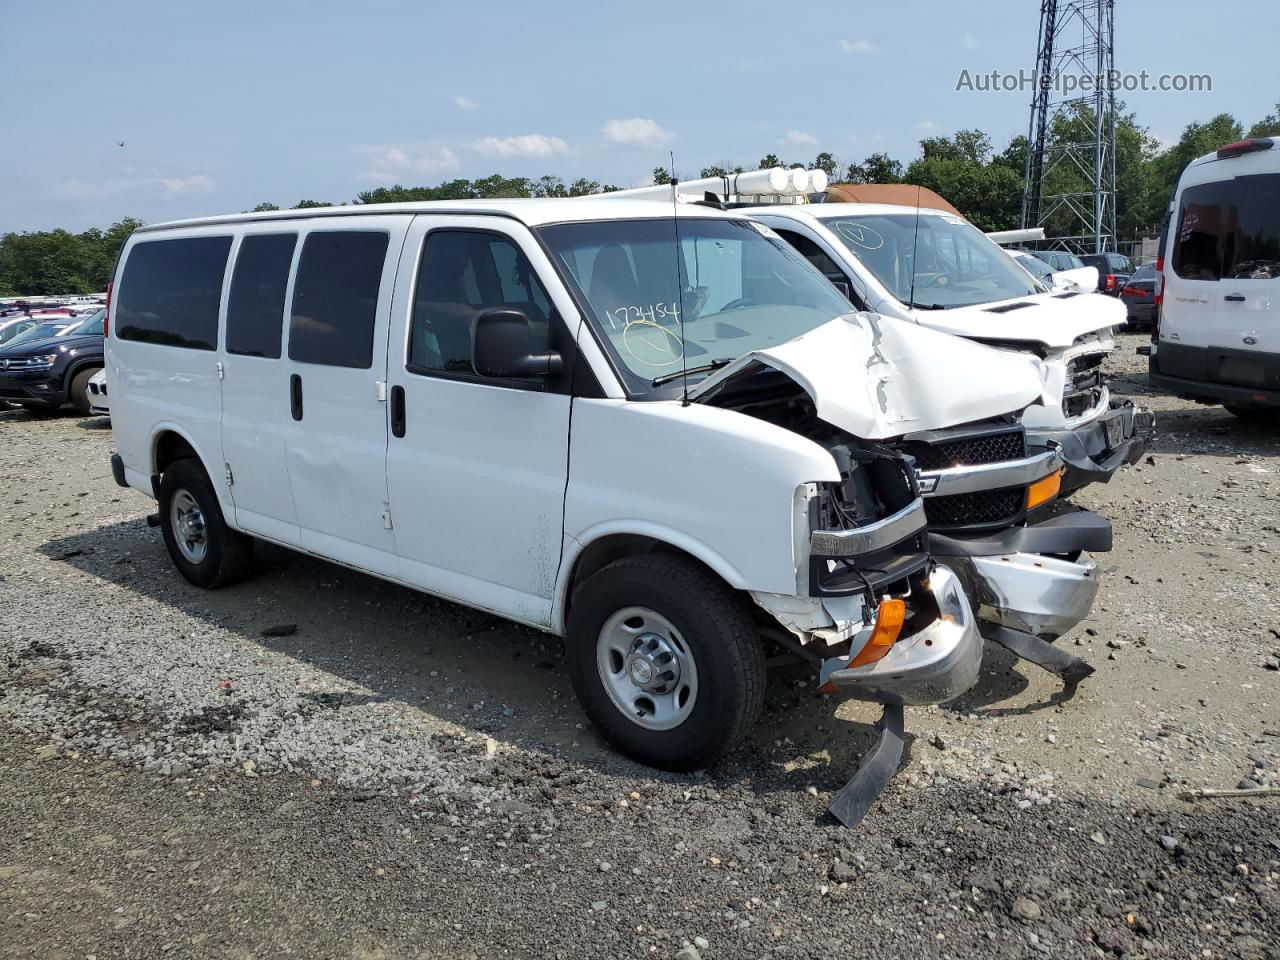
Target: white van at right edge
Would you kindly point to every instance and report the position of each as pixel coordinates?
(1217, 336)
(936, 269)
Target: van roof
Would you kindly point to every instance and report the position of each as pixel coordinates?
(532, 212)
(818, 210)
(1213, 156)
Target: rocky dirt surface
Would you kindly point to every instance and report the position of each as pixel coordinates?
(316, 763)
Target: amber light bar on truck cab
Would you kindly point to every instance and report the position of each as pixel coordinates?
(1241, 147)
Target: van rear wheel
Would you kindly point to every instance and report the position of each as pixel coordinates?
(665, 660)
(204, 549)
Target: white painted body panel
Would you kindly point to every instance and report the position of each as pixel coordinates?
(896, 361)
(1051, 325)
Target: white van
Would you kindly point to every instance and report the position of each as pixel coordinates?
(516, 405)
(1217, 335)
(934, 268)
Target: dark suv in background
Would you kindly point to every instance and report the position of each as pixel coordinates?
(1139, 297)
(1113, 270)
(40, 372)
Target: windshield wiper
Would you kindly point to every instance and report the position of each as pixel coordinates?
(715, 364)
(925, 306)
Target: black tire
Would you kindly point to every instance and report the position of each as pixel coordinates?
(78, 392)
(227, 555)
(1258, 415)
(716, 627)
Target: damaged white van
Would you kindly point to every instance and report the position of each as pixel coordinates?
(934, 268)
(655, 433)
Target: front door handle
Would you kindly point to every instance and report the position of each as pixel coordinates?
(1234, 298)
(295, 396)
(397, 411)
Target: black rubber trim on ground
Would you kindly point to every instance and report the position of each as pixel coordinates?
(117, 470)
(854, 799)
(1065, 533)
(1040, 652)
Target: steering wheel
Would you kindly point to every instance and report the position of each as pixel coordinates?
(738, 304)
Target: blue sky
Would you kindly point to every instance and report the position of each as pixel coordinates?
(223, 105)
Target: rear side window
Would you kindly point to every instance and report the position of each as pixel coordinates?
(255, 306)
(461, 273)
(1229, 229)
(170, 292)
(335, 298)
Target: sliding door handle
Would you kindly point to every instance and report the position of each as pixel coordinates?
(1234, 298)
(397, 411)
(295, 396)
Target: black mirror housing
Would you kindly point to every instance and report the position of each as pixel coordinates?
(500, 348)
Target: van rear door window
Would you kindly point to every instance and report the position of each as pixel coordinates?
(1229, 229)
(335, 298)
(255, 306)
(170, 292)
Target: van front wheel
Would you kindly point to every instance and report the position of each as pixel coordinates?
(665, 660)
(204, 549)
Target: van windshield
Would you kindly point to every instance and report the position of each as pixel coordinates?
(740, 288)
(956, 265)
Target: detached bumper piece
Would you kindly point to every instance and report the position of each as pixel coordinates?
(1032, 584)
(1095, 451)
(933, 665)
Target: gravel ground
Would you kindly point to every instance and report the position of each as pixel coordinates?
(317, 763)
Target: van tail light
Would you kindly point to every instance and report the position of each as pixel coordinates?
(1244, 146)
(106, 317)
(1159, 297)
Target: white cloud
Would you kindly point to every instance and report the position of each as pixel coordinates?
(926, 125)
(387, 164)
(857, 46)
(636, 131)
(464, 103)
(969, 41)
(798, 138)
(523, 145)
(78, 188)
(197, 183)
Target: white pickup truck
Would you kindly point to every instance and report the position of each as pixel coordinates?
(932, 267)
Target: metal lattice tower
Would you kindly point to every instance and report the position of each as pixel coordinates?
(1070, 181)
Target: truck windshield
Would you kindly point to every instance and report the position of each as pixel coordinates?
(740, 288)
(956, 265)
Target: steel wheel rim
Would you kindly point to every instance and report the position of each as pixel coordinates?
(187, 521)
(647, 668)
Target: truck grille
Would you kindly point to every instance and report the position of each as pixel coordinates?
(969, 451)
(981, 509)
(1084, 384)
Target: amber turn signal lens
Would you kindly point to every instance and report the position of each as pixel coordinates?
(889, 620)
(1044, 489)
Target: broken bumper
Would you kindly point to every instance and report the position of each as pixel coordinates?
(1019, 578)
(934, 665)
(1095, 451)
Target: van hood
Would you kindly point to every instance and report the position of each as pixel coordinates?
(1052, 319)
(877, 377)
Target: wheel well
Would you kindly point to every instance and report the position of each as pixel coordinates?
(169, 448)
(600, 553)
(80, 368)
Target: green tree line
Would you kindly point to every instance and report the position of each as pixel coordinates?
(985, 185)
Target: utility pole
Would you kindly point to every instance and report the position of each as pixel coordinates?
(1070, 179)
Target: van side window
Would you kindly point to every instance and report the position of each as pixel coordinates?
(822, 260)
(255, 307)
(170, 292)
(462, 272)
(335, 298)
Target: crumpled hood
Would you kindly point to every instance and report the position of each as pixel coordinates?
(877, 377)
(1051, 319)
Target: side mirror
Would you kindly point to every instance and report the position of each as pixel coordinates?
(845, 289)
(500, 347)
